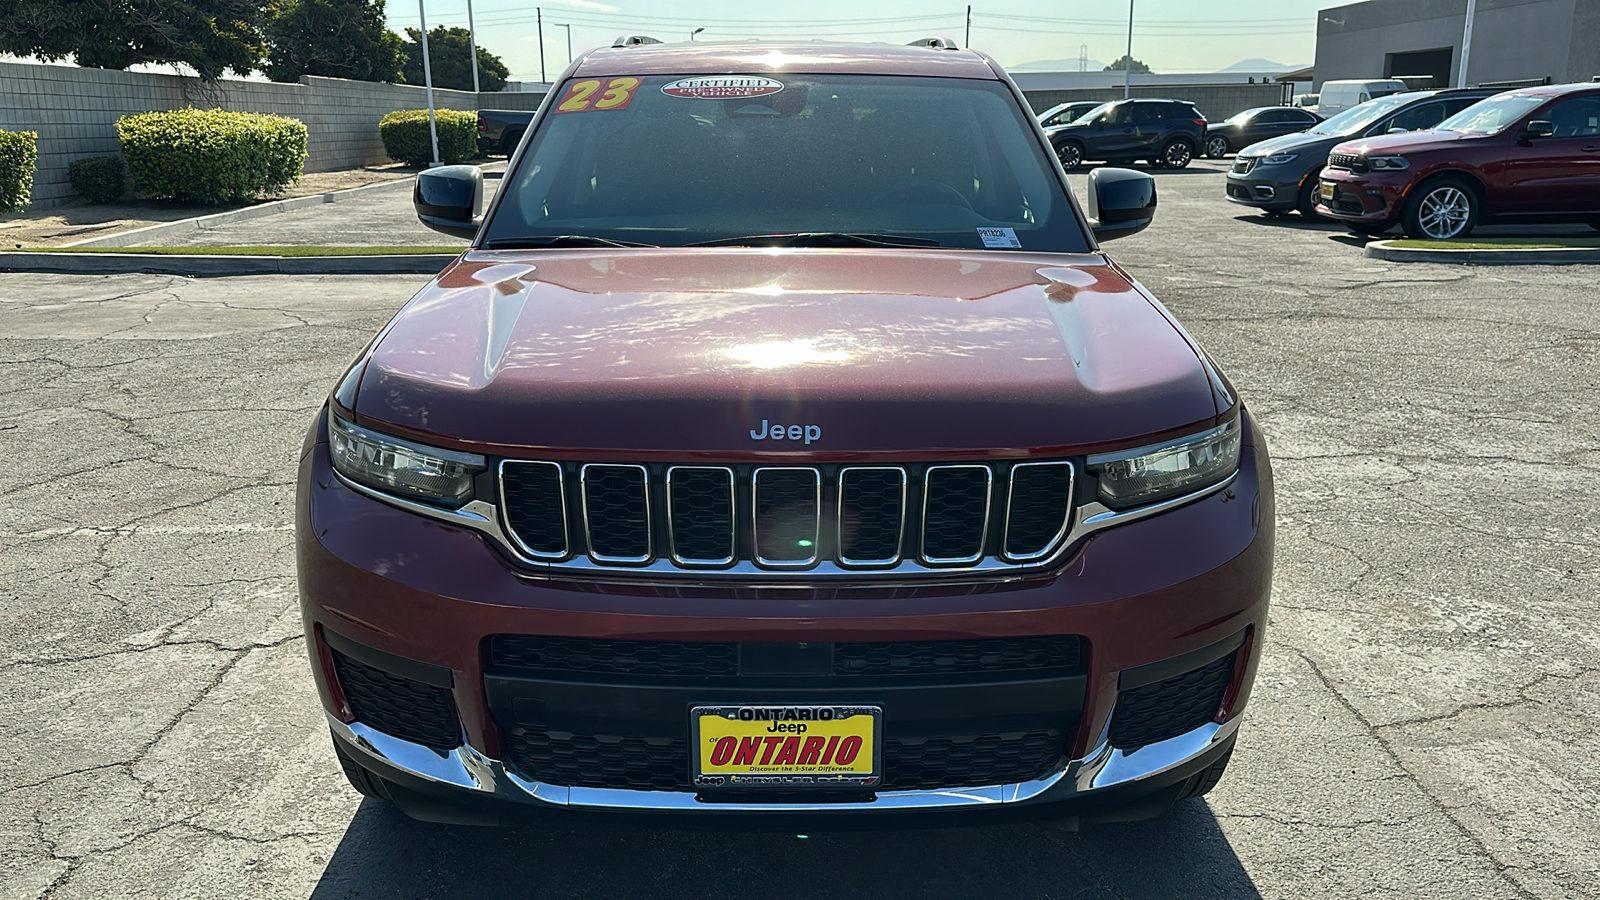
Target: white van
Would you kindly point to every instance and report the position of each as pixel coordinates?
(1338, 96)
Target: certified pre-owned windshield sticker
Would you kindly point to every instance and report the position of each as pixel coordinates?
(722, 87)
(595, 93)
(1000, 238)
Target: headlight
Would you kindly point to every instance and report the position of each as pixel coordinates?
(1278, 159)
(401, 467)
(1163, 471)
(1388, 163)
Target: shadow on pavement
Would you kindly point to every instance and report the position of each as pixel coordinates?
(385, 855)
(1293, 220)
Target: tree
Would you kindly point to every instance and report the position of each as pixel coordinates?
(207, 35)
(452, 67)
(335, 38)
(1139, 68)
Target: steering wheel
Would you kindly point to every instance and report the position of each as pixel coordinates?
(922, 190)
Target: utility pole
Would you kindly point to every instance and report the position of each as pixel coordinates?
(968, 41)
(538, 15)
(569, 39)
(1466, 45)
(472, 47)
(427, 79)
(1127, 61)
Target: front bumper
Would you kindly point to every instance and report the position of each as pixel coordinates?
(1163, 596)
(1262, 189)
(1367, 198)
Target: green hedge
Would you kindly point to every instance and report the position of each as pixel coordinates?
(98, 179)
(405, 136)
(19, 154)
(211, 156)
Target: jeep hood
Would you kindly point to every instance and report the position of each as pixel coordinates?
(1404, 142)
(685, 352)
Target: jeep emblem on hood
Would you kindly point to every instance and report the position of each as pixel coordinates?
(775, 432)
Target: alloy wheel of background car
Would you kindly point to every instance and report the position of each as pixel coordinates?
(1071, 156)
(1440, 211)
(1217, 147)
(1176, 155)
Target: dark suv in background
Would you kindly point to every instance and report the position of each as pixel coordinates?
(1279, 175)
(1167, 133)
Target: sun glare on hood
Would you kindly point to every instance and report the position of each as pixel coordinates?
(793, 352)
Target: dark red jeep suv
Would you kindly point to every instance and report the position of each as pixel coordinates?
(785, 445)
(1525, 156)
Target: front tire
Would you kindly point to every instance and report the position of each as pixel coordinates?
(1306, 201)
(1441, 210)
(1201, 784)
(1217, 147)
(365, 783)
(1071, 155)
(1177, 154)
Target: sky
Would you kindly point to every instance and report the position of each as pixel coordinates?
(1168, 35)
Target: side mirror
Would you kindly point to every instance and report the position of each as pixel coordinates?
(1539, 128)
(1121, 202)
(1397, 131)
(449, 199)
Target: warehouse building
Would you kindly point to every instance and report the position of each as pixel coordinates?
(1513, 41)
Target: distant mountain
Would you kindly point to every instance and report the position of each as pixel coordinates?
(1260, 65)
(1058, 65)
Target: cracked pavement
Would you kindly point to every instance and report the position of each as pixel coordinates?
(1425, 723)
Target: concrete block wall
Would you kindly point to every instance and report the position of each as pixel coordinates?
(1215, 101)
(75, 110)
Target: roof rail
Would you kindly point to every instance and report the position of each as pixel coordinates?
(934, 43)
(634, 40)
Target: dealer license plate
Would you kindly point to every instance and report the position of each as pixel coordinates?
(786, 747)
(1327, 190)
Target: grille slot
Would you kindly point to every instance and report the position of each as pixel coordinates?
(396, 706)
(971, 760)
(955, 513)
(872, 515)
(536, 507)
(700, 511)
(788, 506)
(1038, 509)
(616, 510)
(1157, 712)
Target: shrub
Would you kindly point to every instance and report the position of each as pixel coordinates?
(19, 153)
(98, 179)
(406, 140)
(211, 156)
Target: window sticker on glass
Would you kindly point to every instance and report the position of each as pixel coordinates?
(1000, 238)
(596, 93)
(722, 87)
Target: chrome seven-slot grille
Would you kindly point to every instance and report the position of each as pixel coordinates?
(787, 518)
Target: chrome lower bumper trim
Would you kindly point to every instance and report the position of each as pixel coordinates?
(469, 770)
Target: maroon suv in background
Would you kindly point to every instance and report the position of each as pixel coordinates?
(785, 445)
(1525, 156)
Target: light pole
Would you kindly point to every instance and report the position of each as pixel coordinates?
(1127, 61)
(693, 33)
(427, 79)
(472, 47)
(569, 39)
(1466, 45)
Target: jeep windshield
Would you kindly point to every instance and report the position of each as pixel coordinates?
(1493, 115)
(680, 160)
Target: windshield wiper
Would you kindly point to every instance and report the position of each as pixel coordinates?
(559, 240)
(818, 239)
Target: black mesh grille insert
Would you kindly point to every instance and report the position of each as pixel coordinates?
(936, 657)
(1041, 498)
(786, 515)
(400, 707)
(871, 514)
(526, 653)
(1166, 709)
(1350, 161)
(615, 500)
(662, 763)
(700, 503)
(971, 760)
(955, 514)
(534, 506)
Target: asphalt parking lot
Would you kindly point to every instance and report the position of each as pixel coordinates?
(1425, 724)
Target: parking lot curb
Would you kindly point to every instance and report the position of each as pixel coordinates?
(218, 266)
(1512, 256)
(151, 234)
